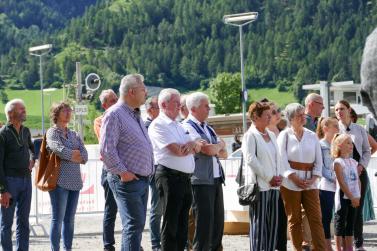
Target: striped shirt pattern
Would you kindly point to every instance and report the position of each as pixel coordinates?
(70, 175)
(125, 144)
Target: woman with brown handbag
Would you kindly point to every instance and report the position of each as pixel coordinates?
(64, 198)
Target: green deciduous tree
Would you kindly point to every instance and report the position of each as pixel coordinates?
(225, 92)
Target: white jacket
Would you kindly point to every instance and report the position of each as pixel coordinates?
(259, 159)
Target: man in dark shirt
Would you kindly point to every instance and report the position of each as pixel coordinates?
(313, 110)
(16, 163)
(108, 98)
(151, 106)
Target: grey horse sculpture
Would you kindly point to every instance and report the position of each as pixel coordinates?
(368, 73)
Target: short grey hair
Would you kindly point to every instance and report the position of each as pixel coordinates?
(165, 95)
(10, 106)
(149, 101)
(104, 94)
(130, 81)
(292, 109)
(194, 99)
(312, 97)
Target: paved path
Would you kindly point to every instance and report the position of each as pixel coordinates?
(88, 236)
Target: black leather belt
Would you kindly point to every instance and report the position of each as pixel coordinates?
(164, 169)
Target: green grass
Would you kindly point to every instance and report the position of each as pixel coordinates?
(32, 99)
(280, 98)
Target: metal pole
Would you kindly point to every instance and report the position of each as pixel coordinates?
(42, 96)
(79, 98)
(244, 125)
(325, 93)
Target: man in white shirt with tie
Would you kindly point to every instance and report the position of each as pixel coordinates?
(208, 177)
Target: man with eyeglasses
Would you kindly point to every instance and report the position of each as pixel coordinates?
(151, 106)
(313, 110)
(127, 153)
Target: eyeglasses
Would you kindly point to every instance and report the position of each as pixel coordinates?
(320, 103)
(274, 112)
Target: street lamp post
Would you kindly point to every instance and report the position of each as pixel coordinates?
(40, 51)
(241, 20)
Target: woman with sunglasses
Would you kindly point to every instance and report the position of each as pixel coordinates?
(361, 153)
(275, 119)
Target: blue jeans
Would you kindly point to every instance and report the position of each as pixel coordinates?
(63, 204)
(20, 189)
(155, 214)
(109, 215)
(131, 198)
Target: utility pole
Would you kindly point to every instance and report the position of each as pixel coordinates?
(80, 127)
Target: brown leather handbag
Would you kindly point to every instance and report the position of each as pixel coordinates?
(48, 169)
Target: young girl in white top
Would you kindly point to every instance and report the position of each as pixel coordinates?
(347, 196)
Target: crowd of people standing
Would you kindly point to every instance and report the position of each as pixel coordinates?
(304, 172)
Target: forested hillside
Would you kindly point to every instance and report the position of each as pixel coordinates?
(184, 42)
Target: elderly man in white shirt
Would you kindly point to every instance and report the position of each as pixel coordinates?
(302, 164)
(173, 151)
(208, 177)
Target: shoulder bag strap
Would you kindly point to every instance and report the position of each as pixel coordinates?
(241, 167)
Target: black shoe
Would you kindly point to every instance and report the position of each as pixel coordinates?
(109, 249)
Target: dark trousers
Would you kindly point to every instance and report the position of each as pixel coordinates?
(155, 214)
(175, 195)
(327, 204)
(358, 226)
(20, 189)
(281, 241)
(109, 214)
(344, 218)
(208, 209)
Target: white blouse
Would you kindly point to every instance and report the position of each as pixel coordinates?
(307, 150)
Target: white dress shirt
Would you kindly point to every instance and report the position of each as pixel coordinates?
(163, 131)
(194, 135)
(307, 150)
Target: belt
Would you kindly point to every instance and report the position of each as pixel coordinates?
(301, 166)
(164, 169)
(137, 175)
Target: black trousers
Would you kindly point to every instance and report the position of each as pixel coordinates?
(281, 242)
(175, 197)
(208, 208)
(358, 226)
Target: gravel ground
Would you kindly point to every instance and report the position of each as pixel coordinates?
(88, 235)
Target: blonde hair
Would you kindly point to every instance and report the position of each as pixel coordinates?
(338, 139)
(324, 122)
